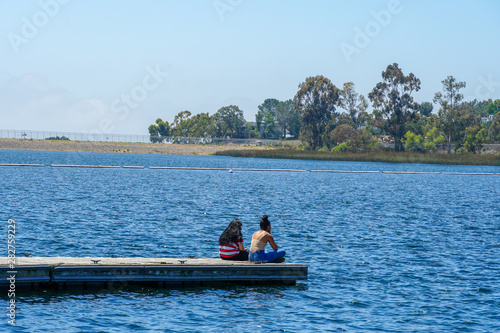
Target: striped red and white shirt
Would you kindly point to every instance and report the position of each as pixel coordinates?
(230, 250)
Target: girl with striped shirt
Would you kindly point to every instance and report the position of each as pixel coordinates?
(231, 243)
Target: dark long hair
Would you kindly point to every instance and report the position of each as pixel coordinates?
(232, 233)
(264, 222)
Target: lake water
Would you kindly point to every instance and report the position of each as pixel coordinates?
(386, 252)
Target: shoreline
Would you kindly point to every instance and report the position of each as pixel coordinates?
(118, 147)
(377, 157)
(235, 150)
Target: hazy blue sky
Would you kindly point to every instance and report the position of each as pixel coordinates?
(114, 66)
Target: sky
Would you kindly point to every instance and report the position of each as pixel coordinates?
(115, 66)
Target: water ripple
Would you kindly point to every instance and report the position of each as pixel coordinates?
(386, 252)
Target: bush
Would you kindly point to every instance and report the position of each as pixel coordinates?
(63, 138)
(253, 134)
(342, 133)
(363, 142)
(343, 147)
(474, 139)
(418, 143)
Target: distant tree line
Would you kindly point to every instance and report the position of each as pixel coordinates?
(325, 117)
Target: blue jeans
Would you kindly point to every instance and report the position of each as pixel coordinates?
(266, 257)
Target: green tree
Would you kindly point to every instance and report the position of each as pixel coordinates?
(494, 107)
(417, 123)
(342, 133)
(478, 108)
(433, 138)
(163, 128)
(425, 109)
(393, 103)
(229, 121)
(200, 126)
(353, 103)
(177, 120)
(494, 129)
(316, 100)
(269, 105)
(270, 125)
(423, 143)
(363, 141)
(288, 118)
(159, 131)
(252, 133)
(344, 119)
(153, 130)
(414, 142)
(474, 139)
(448, 112)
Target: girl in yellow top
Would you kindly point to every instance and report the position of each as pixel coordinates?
(259, 241)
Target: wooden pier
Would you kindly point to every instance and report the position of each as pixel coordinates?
(68, 273)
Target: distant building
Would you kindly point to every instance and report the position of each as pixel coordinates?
(484, 120)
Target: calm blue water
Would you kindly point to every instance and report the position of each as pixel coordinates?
(386, 252)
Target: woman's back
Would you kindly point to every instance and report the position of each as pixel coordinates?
(259, 240)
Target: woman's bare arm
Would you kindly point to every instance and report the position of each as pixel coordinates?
(271, 241)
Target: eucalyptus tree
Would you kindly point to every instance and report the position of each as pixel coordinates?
(288, 118)
(393, 103)
(448, 113)
(178, 118)
(316, 100)
(353, 103)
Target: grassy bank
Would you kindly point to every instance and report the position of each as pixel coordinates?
(114, 147)
(388, 157)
